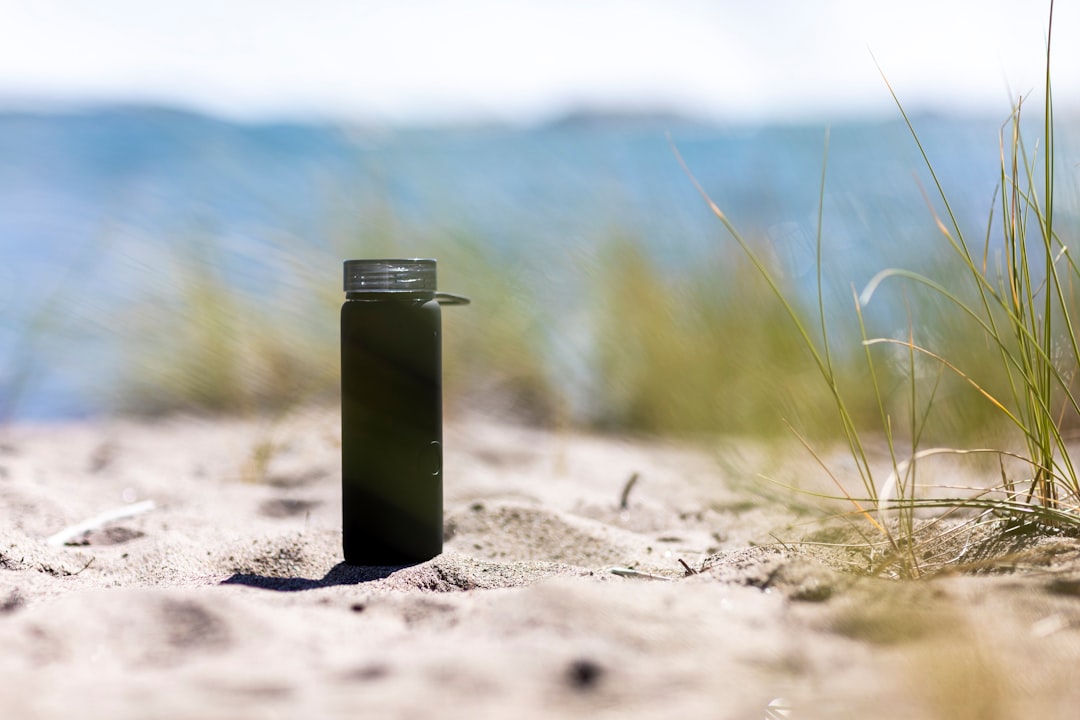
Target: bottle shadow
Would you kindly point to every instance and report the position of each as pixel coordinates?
(340, 574)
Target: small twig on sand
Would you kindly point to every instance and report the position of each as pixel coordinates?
(689, 570)
(782, 543)
(124, 511)
(627, 572)
(624, 499)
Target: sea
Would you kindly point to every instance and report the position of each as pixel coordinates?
(97, 204)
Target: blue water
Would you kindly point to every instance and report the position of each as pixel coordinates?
(92, 205)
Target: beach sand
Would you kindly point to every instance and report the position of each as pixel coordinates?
(221, 593)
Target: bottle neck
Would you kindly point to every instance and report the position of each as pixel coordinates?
(390, 296)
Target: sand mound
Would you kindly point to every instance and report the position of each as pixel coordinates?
(217, 589)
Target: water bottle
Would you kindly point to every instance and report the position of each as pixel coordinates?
(391, 412)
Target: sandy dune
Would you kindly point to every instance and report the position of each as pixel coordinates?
(223, 596)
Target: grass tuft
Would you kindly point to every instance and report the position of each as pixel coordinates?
(1020, 309)
(700, 351)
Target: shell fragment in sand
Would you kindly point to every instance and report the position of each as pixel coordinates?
(629, 573)
(119, 513)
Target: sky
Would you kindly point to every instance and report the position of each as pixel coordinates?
(426, 61)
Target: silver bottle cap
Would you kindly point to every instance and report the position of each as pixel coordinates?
(411, 275)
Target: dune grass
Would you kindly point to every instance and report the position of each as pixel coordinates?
(1025, 304)
(1018, 293)
(495, 355)
(202, 346)
(695, 352)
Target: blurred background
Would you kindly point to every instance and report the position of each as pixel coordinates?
(179, 184)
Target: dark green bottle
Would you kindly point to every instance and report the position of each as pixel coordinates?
(391, 412)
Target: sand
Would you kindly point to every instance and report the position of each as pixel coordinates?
(222, 594)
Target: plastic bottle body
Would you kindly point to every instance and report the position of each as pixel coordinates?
(391, 428)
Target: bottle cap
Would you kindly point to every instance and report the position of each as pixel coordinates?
(411, 275)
